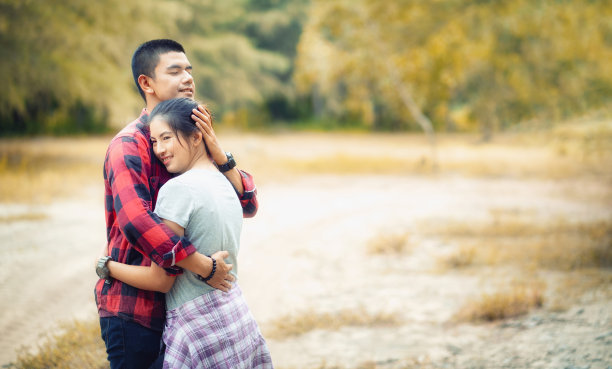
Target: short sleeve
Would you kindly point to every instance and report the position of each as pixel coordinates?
(174, 203)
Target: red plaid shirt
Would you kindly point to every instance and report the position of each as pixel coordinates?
(132, 178)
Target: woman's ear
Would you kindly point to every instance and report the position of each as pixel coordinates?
(197, 138)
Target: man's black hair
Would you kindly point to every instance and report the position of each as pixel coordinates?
(146, 57)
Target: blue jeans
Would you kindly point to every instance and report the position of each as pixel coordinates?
(130, 345)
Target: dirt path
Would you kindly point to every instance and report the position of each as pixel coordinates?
(306, 251)
(323, 266)
(46, 268)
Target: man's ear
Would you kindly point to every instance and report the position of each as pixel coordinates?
(145, 84)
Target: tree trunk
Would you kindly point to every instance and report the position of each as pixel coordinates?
(415, 111)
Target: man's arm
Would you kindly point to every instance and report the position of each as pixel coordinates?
(127, 170)
(248, 198)
(150, 278)
(128, 177)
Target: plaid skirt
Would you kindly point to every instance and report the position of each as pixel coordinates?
(215, 330)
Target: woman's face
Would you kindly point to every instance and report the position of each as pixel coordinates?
(176, 155)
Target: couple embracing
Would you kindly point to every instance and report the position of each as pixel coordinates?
(167, 295)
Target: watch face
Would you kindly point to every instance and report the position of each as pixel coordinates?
(231, 163)
(101, 269)
(99, 272)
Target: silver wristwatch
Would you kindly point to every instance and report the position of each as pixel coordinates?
(102, 268)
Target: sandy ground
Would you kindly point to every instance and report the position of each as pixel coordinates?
(306, 251)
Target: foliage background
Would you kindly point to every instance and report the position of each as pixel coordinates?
(446, 65)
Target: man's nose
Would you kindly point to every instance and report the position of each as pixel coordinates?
(187, 77)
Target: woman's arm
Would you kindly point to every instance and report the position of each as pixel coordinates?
(241, 181)
(151, 278)
(203, 121)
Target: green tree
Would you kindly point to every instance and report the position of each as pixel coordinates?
(62, 63)
(66, 64)
(243, 52)
(459, 64)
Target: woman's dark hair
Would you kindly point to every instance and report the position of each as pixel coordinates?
(146, 57)
(177, 113)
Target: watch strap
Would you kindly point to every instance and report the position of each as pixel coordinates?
(230, 164)
(102, 267)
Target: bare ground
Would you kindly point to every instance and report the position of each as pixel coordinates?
(305, 251)
(317, 260)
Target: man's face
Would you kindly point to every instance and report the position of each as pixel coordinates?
(172, 77)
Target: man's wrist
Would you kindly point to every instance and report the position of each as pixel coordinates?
(228, 164)
(219, 157)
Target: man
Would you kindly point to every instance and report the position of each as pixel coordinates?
(131, 319)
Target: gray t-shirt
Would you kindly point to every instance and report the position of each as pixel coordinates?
(205, 204)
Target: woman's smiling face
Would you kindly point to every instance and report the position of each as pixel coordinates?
(173, 152)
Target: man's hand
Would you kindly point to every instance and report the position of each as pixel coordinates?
(221, 279)
(203, 120)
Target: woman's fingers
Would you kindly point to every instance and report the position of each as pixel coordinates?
(202, 126)
(203, 114)
(203, 120)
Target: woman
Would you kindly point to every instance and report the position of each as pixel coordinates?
(205, 327)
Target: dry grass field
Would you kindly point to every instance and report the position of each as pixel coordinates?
(368, 251)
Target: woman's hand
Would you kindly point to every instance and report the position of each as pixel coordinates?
(221, 280)
(203, 120)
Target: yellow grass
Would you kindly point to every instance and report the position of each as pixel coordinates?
(561, 244)
(306, 321)
(463, 257)
(22, 217)
(586, 151)
(408, 363)
(590, 283)
(389, 243)
(78, 345)
(34, 170)
(40, 170)
(506, 303)
(583, 249)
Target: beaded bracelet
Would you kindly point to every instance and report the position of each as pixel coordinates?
(212, 272)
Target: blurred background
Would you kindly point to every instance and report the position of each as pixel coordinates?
(434, 177)
(447, 65)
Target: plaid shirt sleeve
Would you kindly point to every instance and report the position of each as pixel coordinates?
(248, 199)
(127, 168)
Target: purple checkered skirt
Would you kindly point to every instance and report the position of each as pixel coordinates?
(215, 330)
